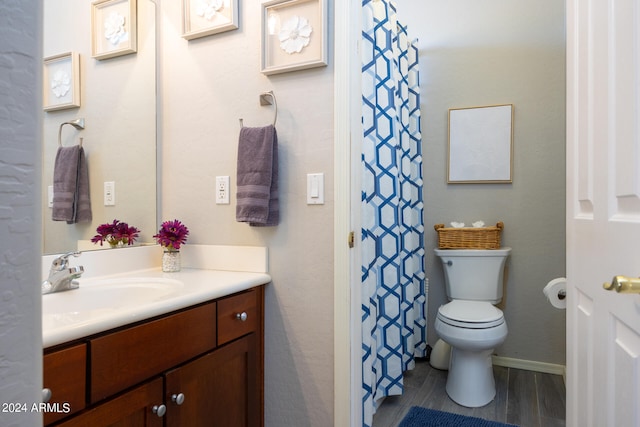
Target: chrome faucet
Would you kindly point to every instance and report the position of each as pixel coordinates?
(61, 276)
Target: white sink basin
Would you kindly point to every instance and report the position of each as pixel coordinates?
(109, 295)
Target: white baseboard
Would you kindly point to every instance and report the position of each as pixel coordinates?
(530, 365)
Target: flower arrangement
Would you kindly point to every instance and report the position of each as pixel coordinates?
(171, 235)
(116, 234)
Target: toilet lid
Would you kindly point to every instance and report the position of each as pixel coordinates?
(471, 314)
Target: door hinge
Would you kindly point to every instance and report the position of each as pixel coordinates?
(352, 239)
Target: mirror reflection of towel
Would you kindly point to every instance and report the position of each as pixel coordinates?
(71, 202)
(257, 181)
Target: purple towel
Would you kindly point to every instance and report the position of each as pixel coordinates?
(257, 180)
(71, 202)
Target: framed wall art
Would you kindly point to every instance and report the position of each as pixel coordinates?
(294, 35)
(481, 144)
(61, 82)
(113, 28)
(205, 17)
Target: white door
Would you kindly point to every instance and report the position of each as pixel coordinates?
(603, 211)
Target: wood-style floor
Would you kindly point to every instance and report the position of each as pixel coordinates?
(524, 398)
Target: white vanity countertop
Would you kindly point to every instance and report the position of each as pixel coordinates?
(208, 272)
(199, 285)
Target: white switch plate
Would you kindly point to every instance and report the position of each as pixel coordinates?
(109, 193)
(50, 196)
(315, 188)
(222, 190)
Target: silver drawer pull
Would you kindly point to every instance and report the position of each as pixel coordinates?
(178, 399)
(46, 395)
(159, 410)
(242, 316)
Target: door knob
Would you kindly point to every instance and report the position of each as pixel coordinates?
(624, 285)
(242, 316)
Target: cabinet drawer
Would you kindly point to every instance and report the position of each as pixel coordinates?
(133, 408)
(231, 311)
(127, 357)
(65, 374)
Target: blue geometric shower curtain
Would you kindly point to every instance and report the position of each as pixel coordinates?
(393, 278)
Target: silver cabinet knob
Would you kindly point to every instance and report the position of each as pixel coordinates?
(178, 399)
(242, 316)
(46, 395)
(159, 410)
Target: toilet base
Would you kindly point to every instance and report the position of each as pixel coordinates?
(470, 380)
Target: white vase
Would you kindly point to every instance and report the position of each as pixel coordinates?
(171, 261)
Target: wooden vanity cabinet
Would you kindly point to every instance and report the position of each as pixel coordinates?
(202, 366)
(224, 387)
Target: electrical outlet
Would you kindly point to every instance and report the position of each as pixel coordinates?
(109, 193)
(222, 190)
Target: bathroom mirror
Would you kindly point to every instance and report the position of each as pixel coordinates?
(118, 104)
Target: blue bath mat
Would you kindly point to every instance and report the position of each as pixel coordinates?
(423, 417)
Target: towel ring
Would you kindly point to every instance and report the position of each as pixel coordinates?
(267, 98)
(77, 123)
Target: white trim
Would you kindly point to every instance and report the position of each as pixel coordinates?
(347, 401)
(530, 365)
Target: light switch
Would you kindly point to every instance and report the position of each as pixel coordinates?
(50, 196)
(315, 189)
(109, 193)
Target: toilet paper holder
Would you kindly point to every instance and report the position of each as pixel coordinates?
(556, 292)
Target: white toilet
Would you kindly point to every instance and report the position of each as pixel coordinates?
(470, 322)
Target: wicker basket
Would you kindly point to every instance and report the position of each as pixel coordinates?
(469, 237)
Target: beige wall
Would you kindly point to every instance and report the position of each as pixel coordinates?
(207, 85)
(486, 53)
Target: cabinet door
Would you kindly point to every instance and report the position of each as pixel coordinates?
(131, 409)
(65, 375)
(221, 388)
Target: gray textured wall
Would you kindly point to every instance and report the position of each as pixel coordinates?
(20, 228)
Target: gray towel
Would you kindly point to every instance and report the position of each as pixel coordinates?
(257, 180)
(71, 202)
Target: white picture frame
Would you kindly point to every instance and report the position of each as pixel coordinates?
(481, 144)
(113, 28)
(61, 82)
(307, 21)
(201, 19)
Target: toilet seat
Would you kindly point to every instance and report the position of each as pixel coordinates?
(470, 314)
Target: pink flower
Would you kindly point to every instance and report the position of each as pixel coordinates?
(115, 233)
(172, 234)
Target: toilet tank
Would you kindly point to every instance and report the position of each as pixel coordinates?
(474, 274)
